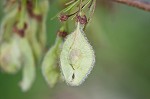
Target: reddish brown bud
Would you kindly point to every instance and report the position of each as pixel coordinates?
(82, 19)
(20, 32)
(63, 17)
(30, 7)
(62, 34)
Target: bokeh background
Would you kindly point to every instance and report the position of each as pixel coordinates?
(120, 36)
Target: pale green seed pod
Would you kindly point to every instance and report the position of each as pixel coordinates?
(28, 65)
(44, 7)
(10, 56)
(9, 5)
(50, 65)
(77, 57)
(32, 37)
(7, 24)
(42, 37)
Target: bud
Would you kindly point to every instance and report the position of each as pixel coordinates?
(33, 10)
(82, 19)
(77, 57)
(20, 32)
(62, 34)
(30, 7)
(63, 17)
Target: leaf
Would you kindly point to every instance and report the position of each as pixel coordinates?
(50, 67)
(92, 10)
(77, 57)
(28, 65)
(66, 9)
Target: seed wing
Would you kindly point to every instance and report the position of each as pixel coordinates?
(77, 58)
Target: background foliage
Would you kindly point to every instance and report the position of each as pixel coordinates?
(121, 39)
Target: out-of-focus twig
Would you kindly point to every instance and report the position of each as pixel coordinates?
(144, 5)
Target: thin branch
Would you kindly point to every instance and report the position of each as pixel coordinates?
(144, 5)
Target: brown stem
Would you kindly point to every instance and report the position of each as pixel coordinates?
(144, 5)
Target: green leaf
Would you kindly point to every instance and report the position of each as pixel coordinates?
(66, 9)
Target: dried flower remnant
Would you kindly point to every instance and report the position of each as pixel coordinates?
(20, 32)
(62, 34)
(82, 19)
(63, 17)
(77, 57)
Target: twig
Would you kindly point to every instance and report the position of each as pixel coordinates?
(144, 5)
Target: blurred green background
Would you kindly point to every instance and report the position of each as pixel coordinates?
(121, 39)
